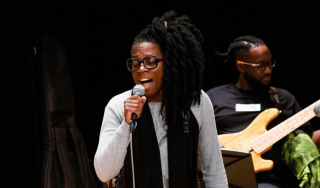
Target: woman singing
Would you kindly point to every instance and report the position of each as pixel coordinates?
(167, 60)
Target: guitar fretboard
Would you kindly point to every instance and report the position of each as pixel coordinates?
(264, 141)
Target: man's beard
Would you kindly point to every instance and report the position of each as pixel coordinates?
(257, 85)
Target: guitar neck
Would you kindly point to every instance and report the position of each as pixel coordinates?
(266, 140)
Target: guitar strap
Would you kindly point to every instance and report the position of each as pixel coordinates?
(273, 93)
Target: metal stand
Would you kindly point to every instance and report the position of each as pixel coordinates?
(133, 125)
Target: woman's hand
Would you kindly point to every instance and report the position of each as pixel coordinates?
(133, 104)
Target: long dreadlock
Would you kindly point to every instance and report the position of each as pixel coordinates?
(240, 46)
(183, 62)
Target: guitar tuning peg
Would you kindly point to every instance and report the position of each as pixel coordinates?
(317, 110)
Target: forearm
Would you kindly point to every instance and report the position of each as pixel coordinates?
(111, 152)
(212, 165)
(316, 138)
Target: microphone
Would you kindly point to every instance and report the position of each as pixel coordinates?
(317, 110)
(137, 90)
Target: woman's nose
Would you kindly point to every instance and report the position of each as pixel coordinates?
(141, 67)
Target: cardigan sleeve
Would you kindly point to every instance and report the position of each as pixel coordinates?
(210, 153)
(114, 140)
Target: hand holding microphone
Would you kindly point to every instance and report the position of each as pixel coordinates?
(133, 105)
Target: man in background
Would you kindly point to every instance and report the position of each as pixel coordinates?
(237, 104)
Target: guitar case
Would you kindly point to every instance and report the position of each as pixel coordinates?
(65, 162)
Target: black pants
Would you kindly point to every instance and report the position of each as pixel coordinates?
(268, 185)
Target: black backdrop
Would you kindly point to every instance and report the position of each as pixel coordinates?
(97, 36)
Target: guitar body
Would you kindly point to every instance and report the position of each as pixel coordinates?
(242, 140)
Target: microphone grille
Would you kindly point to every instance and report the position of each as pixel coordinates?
(138, 90)
(317, 110)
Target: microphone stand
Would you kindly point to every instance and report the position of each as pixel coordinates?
(133, 125)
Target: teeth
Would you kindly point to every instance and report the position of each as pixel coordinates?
(143, 80)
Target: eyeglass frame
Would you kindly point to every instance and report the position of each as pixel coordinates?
(257, 65)
(139, 63)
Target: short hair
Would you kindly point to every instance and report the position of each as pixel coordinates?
(240, 46)
(180, 43)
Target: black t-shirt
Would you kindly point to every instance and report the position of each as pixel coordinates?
(229, 120)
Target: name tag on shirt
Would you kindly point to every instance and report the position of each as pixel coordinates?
(248, 107)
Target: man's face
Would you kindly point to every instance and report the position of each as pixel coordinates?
(257, 79)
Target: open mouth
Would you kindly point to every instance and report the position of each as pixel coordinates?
(143, 81)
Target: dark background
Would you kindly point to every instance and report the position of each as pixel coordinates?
(97, 36)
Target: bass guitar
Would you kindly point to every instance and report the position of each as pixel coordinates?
(257, 140)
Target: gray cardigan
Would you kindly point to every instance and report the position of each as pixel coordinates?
(115, 137)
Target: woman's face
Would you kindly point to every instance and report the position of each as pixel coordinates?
(151, 79)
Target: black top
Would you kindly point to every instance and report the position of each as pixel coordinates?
(228, 120)
(182, 154)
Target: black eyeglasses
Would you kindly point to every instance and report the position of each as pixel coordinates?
(261, 66)
(149, 62)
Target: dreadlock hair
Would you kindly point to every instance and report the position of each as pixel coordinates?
(183, 63)
(240, 46)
